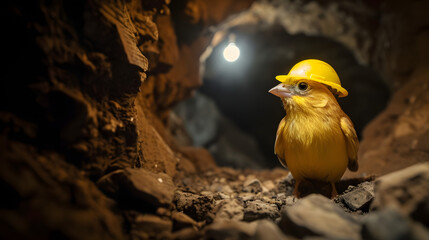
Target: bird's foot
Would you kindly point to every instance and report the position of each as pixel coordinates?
(334, 192)
(296, 192)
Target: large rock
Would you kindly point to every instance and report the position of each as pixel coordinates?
(317, 215)
(131, 185)
(268, 230)
(152, 223)
(391, 224)
(230, 230)
(406, 190)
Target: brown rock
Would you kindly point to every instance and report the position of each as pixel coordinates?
(163, 212)
(187, 234)
(155, 149)
(169, 53)
(151, 225)
(46, 196)
(181, 220)
(196, 206)
(317, 215)
(138, 185)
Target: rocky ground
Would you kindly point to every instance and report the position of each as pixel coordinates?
(229, 204)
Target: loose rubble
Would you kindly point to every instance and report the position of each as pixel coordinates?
(259, 205)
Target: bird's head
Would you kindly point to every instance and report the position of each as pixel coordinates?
(310, 84)
(303, 94)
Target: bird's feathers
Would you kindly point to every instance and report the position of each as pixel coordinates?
(316, 139)
(352, 143)
(279, 144)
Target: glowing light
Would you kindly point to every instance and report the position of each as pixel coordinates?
(231, 53)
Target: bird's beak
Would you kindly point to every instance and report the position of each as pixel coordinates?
(281, 91)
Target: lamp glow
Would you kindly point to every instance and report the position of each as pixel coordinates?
(231, 53)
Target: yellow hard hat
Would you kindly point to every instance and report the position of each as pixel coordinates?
(318, 71)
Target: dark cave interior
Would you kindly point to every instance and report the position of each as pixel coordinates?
(237, 88)
(122, 119)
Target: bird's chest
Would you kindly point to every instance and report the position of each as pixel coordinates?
(308, 131)
(315, 148)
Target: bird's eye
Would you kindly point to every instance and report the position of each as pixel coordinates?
(302, 86)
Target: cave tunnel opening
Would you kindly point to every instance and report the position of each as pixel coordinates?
(244, 132)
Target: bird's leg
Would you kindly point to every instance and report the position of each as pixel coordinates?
(334, 192)
(296, 189)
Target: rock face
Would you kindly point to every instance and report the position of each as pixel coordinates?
(398, 137)
(91, 85)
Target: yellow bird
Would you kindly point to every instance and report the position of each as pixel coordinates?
(316, 139)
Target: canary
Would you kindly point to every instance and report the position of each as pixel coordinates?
(316, 139)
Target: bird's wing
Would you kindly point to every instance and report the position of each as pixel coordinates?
(279, 147)
(352, 143)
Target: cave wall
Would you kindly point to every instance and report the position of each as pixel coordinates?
(87, 92)
(399, 136)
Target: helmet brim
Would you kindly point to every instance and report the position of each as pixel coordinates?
(340, 91)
